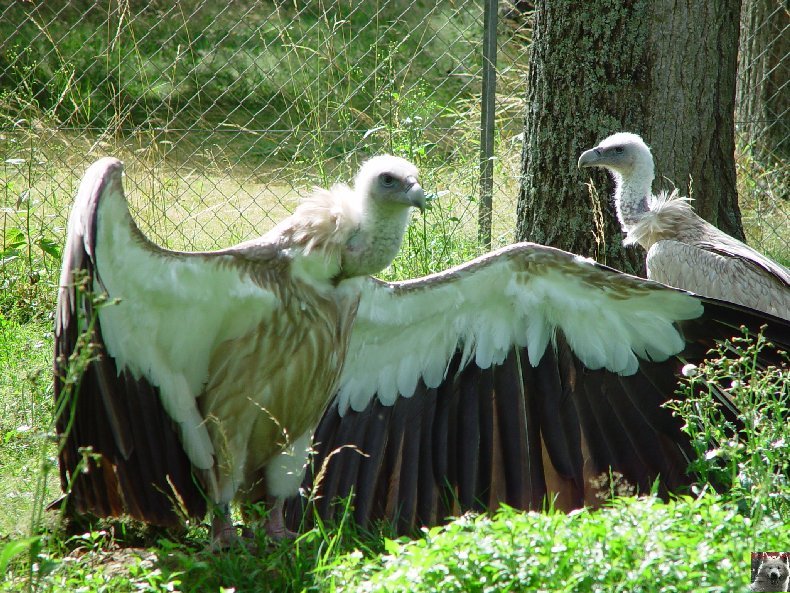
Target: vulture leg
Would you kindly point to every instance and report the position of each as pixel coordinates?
(284, 475)
(275, 524)
(223, 533)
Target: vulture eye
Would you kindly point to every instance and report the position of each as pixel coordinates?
(386, 179)
(618, 149)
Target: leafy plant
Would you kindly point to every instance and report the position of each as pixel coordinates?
(633, 545)
(29, 253)
(754, 459)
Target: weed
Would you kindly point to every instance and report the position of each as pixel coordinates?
(754, 460)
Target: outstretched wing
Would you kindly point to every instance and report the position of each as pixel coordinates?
(134, 330)
(524, 376)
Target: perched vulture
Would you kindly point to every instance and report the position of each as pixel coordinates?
(209, 375)
(524, 374)
(684, 250)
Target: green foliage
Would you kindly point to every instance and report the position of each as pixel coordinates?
(25, 419)
(14, 548)
(30, 251)
(756, 462)
(434, 241)
(635, 545)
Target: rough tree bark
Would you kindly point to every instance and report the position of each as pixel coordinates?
(762, 99)
(663, 69)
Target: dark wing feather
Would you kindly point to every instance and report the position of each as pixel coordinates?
(517, 420)
(522, 435)
(119, 451)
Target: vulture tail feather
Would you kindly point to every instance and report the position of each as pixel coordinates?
(374, 444)
(426, 492)
(558, 417)
(485, 472)
(410, 463)
(519, 420)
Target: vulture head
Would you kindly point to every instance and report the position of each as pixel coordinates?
(628, 159)
(351, 231)
(386, 187)
(390, 180)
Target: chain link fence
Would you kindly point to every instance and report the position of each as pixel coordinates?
(226, 112)
(762, 123)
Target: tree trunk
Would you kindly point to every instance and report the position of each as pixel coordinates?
(762, 100)
(662, 69)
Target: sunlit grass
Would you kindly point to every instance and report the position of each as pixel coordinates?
(633, 545)
(764, 199)
(25, 420)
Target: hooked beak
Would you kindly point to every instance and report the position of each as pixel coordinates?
(415, 194)
(590, 158)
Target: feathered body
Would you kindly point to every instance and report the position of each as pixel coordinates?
(683, 249)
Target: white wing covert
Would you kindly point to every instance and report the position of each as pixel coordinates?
(521, 295)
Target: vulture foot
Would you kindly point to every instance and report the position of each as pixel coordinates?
(225, 535)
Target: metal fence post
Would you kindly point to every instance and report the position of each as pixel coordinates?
(487, 122)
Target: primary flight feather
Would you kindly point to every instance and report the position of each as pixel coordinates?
(529, 375)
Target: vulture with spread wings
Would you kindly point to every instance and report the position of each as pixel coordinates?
(208, 375)
(524, 374)
(683, 249)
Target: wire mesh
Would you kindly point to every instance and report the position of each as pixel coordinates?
(226, 112)
(762, 123)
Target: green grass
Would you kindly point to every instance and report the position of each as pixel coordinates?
(309, 67)
(632, 545)
(764, 199)
(27, 452)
